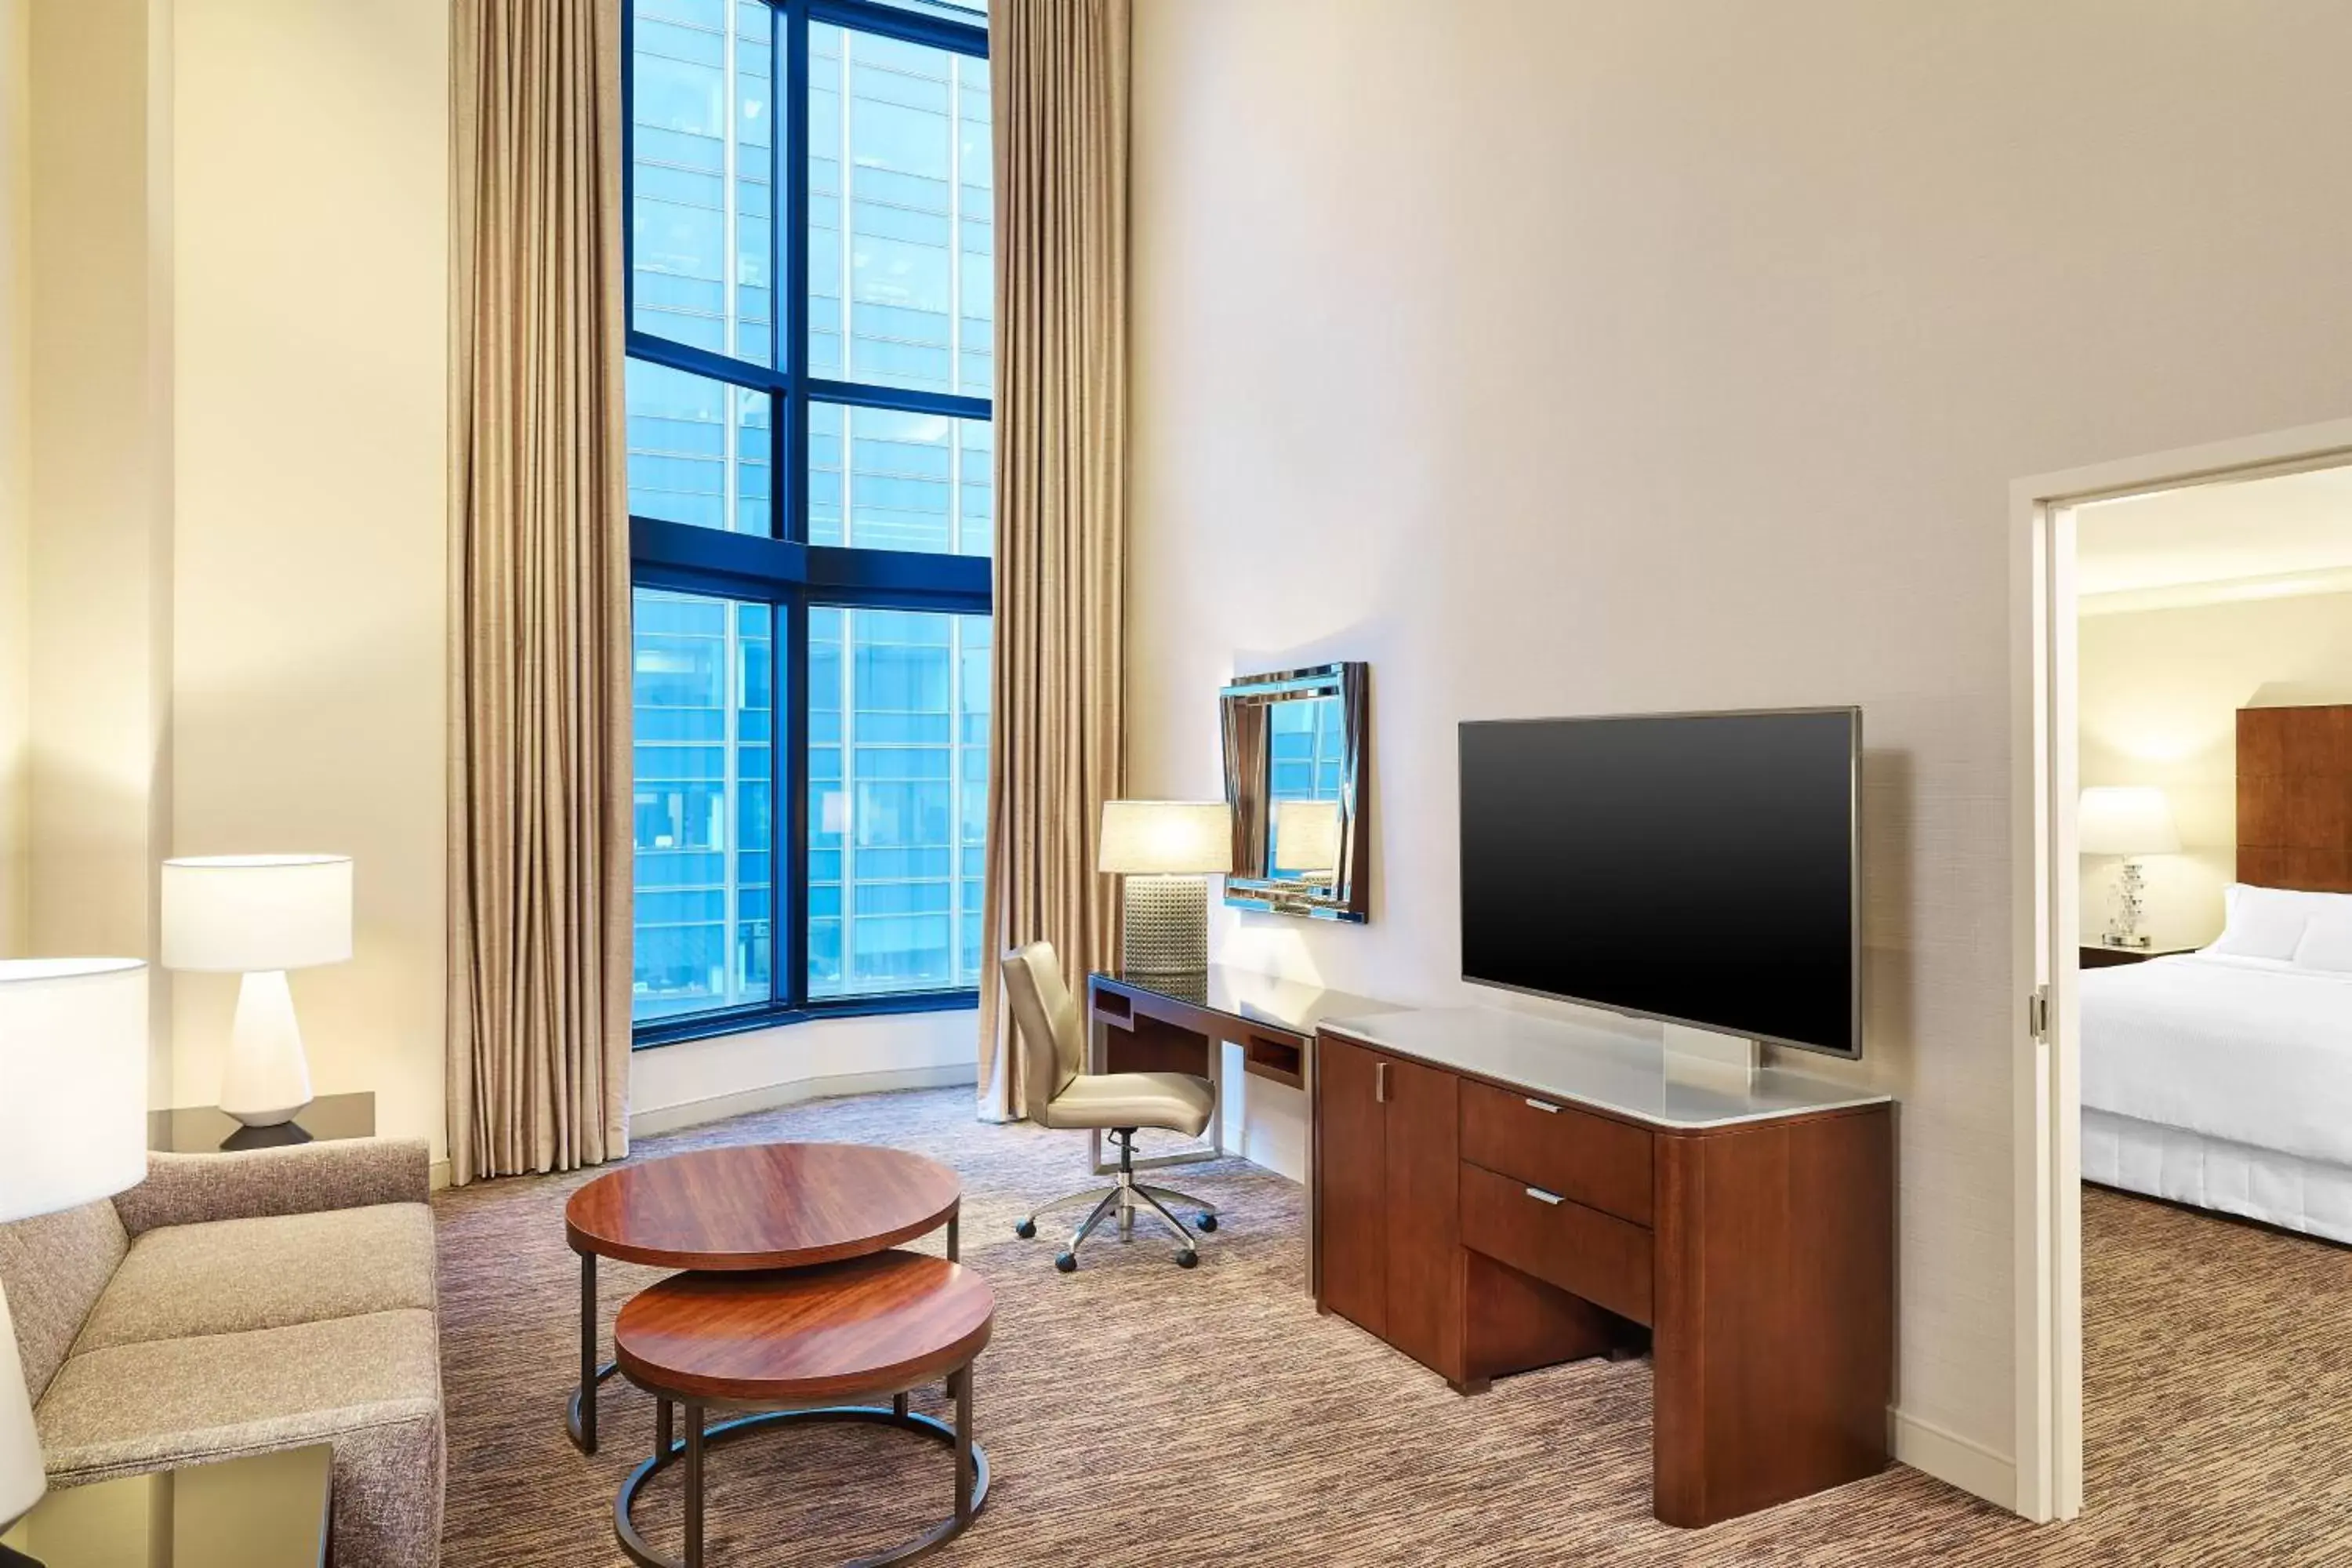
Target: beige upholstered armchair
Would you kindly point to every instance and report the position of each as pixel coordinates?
(1063, 1094)
(239, 1303)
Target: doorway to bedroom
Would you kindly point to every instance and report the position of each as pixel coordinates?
(2190, 1119)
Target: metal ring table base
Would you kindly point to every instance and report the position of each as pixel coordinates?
(585, 1441)
(897, 1414)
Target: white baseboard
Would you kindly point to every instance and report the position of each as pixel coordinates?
(1950, 1457)
(769, 1097)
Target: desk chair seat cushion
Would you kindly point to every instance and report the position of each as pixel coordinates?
(1176, 1101)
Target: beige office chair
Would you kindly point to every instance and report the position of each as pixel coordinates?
(1063, 1094)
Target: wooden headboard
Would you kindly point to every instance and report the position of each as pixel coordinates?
(2294, 797)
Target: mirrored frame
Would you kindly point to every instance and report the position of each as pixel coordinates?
(1294, 744)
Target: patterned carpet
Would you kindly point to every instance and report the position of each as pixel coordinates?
(1138, 1414)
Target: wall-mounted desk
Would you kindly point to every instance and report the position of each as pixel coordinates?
(1497, 1192)
(1160, 1023)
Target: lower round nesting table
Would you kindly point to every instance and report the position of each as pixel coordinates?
(879, 1325)
(746, 1207)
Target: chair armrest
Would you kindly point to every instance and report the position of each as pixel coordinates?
(307, 1178)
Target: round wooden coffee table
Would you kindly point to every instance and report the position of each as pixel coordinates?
(884, 1325)
(743, 1207)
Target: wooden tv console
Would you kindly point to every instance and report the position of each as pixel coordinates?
(1495, 1193)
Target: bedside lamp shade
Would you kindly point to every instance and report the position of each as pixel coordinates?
(1166, 838)
(235, 914)
(73, 1129)
(259, 916)
(73, 1081)
(1307, 836)
(2126, 820)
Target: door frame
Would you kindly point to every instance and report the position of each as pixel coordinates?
(2046, 922)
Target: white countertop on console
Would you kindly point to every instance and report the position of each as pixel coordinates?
(1619, 1072)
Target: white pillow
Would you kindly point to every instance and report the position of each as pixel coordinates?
(2268, 922)
(2326, 942)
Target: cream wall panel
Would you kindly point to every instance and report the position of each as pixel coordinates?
(16, 475)
(312, 160)
(100, 497)
(2160, 694)
(1566, 358)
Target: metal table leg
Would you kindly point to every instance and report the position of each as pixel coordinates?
(579, 1420)
(693, 1485)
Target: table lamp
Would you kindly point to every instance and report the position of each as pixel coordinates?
(1307, 839)
(1166, 850)
(73, 1129)
(259, 916)
(2127, 821)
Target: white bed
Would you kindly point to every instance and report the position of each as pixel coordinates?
(2224, 1077)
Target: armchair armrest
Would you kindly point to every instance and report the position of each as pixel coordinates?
(308, 1178)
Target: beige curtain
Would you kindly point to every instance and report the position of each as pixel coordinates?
(539, 577)
(1056, 747)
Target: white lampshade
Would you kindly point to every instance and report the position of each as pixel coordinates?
(73, 1082)
(1166, 838)
(2126, 820)
(1307, 836)
(240, 913)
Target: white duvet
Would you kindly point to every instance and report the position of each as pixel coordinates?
(2251, 1049)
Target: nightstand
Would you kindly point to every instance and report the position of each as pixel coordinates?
(207, 1129)
(2097, 955)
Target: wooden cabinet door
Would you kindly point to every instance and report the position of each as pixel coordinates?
(1423, 1215)
(1351, 1195)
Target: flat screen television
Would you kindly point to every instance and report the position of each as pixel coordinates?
(1701, 868)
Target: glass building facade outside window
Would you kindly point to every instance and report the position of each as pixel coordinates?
(809, 451)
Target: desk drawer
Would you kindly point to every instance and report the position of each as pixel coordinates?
(1581, 1250)
(1590, 1159)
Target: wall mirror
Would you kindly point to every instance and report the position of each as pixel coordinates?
(1295, 777)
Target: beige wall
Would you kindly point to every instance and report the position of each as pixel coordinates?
(2160, 694)
(310, 582)
(1579, 357)
(16, 473)
(100, 535)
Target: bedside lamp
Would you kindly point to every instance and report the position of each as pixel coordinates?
(259, 916)
(2126, 822)
(1307, 839)
(1166, 850)
(73, 1129)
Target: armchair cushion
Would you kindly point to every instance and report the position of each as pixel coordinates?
(150, 1406)
(223, 1276)
(189, 1189)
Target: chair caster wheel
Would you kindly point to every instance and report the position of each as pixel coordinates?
(1025, 1229)
(1067, 1262)
(1188, 1258)
(1207, 1222)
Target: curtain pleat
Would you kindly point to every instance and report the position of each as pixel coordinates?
(539, 851)
(1058, 72)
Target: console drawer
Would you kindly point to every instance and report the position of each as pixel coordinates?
(1539, 1232)
(1596, 1161)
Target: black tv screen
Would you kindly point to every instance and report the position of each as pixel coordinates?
(1700, 868)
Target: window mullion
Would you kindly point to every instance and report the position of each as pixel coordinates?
(791, 806)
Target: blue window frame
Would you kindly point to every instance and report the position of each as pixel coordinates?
(811, 344)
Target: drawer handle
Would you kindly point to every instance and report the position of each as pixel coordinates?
(1381, 1082)
(1542, 1196)
(1534, 1104)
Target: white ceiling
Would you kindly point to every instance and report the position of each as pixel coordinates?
(2294, 525)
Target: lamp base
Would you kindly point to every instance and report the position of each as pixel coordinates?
(1164, 925)
(267, 1081)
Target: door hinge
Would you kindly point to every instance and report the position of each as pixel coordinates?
(2037, 1012)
